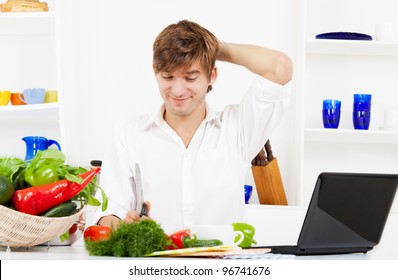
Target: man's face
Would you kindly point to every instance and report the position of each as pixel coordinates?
(184, 91)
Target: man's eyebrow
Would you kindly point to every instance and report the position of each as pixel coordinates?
(191, 72)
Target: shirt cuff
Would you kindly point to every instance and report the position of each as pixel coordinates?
(272, 91)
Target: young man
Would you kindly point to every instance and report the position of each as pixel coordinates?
(192, 159)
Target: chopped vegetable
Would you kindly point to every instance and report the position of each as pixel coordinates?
(131, 240)
(35, 200)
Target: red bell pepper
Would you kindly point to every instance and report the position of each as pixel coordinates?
(35, 200)
(177, 239)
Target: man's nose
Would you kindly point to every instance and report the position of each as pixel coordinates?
(178, 87)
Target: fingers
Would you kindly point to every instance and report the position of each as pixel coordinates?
(131, 216)
(148, 205)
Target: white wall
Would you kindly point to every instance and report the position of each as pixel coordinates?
(114, 78)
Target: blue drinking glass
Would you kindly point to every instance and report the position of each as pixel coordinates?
(248, 193)
(362, 102)
(361, 111)
(361, 119)
(331, 113)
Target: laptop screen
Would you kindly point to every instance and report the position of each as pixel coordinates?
(348, 210)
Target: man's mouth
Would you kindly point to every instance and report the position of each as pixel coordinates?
(179, 101)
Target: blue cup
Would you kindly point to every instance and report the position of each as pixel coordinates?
(331, 113)
(248, 193)
(33, 95)
(362, 102)
(361, 119)
(361, 111)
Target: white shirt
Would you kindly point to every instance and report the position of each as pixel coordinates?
(199, 184)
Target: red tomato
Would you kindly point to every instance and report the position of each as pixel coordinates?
(73, 229)
(178, 237)
(97, 233)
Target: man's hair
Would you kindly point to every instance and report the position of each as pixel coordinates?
(183, 44)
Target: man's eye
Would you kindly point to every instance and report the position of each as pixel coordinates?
(190, 79)
(167, 77)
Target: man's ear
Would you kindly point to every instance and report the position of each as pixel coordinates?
(154, 69)
(214, 75)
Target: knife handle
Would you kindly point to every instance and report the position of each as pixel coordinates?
(268, 149)
(144, 210)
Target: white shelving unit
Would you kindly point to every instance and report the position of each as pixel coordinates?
(337, 69)
(30, 58)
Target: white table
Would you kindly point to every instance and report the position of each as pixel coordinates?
(274, 226)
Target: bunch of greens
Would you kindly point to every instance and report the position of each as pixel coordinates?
(131, 240)
(9, 166)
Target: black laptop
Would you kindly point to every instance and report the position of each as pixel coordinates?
(347, 214)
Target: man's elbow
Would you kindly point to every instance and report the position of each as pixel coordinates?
(283, 69)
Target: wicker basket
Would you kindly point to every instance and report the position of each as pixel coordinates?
(18, 229)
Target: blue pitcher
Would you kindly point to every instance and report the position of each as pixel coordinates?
(36, 143)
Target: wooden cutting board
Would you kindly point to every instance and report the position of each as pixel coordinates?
(222, 254)
(210, 252)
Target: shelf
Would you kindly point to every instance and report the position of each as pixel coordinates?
(40, 23)
(351, 47)
(351, 136)
(28, 15)
(25, 108)
(34, 111)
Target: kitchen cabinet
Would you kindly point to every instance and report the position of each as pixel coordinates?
(336, 69)
(30, 49)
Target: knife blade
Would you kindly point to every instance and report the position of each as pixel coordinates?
(140, 206)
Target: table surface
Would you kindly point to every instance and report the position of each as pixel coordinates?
(78, 252)
(387, 249)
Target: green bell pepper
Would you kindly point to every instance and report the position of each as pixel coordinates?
(43, 175)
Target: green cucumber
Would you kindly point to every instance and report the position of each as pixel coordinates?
(206, 243)
(61, 210)
(194, 242)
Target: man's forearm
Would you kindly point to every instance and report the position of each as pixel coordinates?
(109, 221)
(271, 64)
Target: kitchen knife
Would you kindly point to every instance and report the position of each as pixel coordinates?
(140, 206)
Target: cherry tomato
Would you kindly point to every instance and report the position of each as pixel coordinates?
(177, 238)
(97, 233)
(73, 229)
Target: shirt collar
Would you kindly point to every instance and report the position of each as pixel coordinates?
(157, 119)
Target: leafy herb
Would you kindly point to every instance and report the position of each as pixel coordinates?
(131, 240)
(9, 166)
